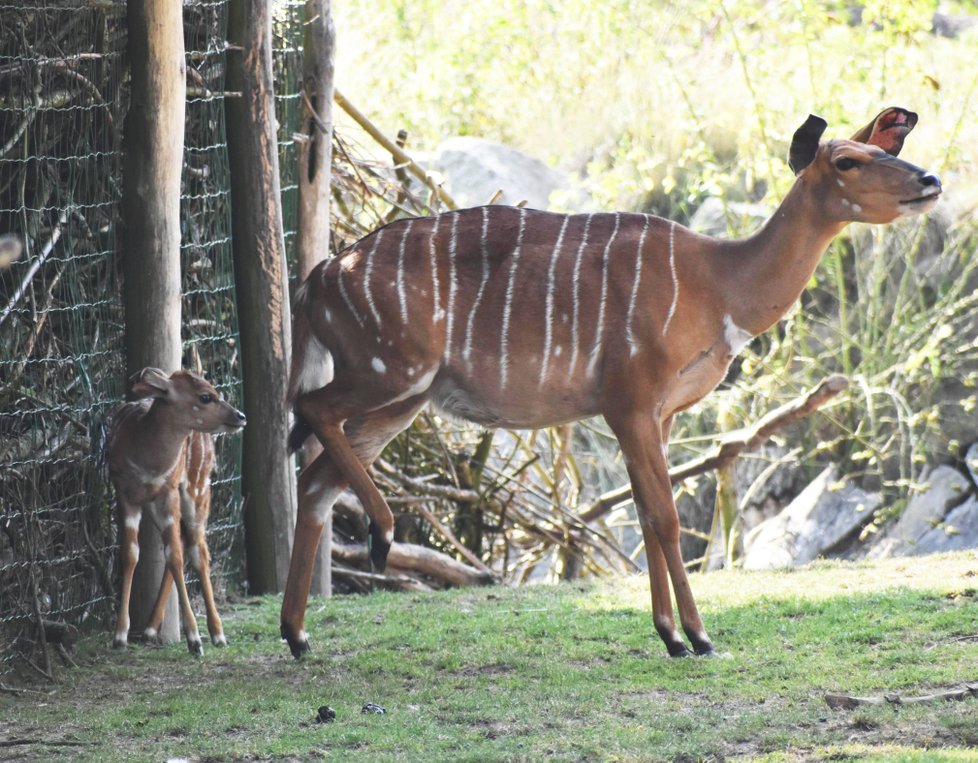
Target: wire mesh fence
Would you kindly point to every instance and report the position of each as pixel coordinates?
(63, 75)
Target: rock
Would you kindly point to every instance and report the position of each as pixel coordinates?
(711, 220)
(971, 462)
(474, 169)
(958, 531)
(952, 26)
(946, 487)
(821, 517)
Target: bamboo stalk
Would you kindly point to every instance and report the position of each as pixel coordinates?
(391, 146)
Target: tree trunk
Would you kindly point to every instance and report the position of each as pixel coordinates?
(315, 159)
(151, 252)
(268, 477)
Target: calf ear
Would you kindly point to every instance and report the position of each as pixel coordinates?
(804, 143)
(150, 382)
(888, 129)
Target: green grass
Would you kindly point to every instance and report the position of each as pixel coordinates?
(572, 672)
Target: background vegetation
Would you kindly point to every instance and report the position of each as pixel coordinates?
(660, 106)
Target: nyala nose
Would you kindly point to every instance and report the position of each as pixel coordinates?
(929, 179)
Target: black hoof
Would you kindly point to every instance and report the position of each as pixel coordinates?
(379, 548)
(701, 646)
(678, 649)
(298, 646)
(196, 648)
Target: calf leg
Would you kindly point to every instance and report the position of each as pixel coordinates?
(129, 518)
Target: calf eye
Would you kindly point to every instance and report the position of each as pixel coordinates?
(206, 398)
(846, 163)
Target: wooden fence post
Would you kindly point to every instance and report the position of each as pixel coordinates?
(315, 160)
(151, 221)
(268, 476)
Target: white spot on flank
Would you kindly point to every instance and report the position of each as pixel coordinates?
(328, 315)
(599, 334)
(856, 208)
(196, 408)
(557, 350)
(840, 182)
(675, 279)
(368, 270)
(735, 337)
(508, 305)
(412, 371)
(484, 249)
(845, 202)
(401, 293)
(548, 320)
(378, 365)
(576, 290)
(633, 299)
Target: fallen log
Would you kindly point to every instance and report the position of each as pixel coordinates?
(733, 444)
(849, 702)
(420, 560)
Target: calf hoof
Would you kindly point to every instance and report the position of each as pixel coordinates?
(380, 546)
(152, 636)
(120, 642)
(195, 646)
(219, 639)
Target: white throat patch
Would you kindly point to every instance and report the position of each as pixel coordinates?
(735, 337)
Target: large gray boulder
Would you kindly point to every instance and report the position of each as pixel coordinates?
(957, 532)
(474, 169)
(822, 516)
(944, 487)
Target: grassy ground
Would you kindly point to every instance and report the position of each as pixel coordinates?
(571, 672)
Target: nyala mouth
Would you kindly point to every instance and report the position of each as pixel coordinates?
(932, 196)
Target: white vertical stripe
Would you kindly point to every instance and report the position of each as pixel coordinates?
(508, 306)
(675, 279)
(345, 294)
(437, 313)
(484, 249)
(401, 291)
(452, 285)
(548, 321)
(576, 290)
(367, 273)
(632, 341)
(602, 305)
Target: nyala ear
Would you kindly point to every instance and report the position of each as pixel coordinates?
(150, 382)
(804, 144)
(888, 129)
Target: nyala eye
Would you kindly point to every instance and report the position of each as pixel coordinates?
(846, 163)
(206, 398)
